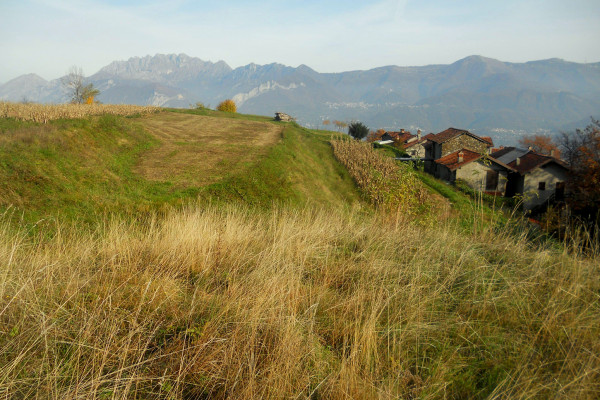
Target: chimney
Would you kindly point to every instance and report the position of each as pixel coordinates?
(552, 153)
(401, 130)
(418, 134)
(518, 161)
(461, 156)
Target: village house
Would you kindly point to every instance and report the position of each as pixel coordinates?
(450, 141)
(416, 146)
(459, 154)
(395, 137)
(539, 178)
(477, 170)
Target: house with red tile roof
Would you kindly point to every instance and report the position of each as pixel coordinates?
(452, 140)
(538, 178)
(478, 170)
(395, 137)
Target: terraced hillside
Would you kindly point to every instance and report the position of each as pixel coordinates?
(84, 168)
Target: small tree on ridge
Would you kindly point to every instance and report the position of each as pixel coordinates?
(79, 92)
(358, 130)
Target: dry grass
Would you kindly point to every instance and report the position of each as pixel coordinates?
(196, 150)
(308, 304)
(47, 112)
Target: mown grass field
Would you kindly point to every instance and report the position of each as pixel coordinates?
(133, 267)
(83, 169)
(195, 150)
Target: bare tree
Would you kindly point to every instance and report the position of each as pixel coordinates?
(78, 91)
(340, 125)
(581, 150)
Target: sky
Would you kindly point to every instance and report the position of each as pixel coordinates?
(47, 37)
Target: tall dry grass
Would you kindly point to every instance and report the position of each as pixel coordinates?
(234, 303)
(43, 113)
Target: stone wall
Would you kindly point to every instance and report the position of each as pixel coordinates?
(417, 150)
(550, 174)
(475, 175)
(463, 142)
(442, 172)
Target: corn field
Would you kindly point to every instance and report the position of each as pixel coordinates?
(43, 113)
(385, 183)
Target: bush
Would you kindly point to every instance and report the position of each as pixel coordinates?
(200, 106)
(227, 106)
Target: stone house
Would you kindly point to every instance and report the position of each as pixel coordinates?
(538, 178)
(450, 141)
(417, 146)
(479, 171)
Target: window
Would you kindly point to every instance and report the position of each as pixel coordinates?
(491, 181)
(542, 186)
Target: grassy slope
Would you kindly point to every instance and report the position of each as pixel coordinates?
(76, 168)
(281, 301)
(81, 169)
(298, 170)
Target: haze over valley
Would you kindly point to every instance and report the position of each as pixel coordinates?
(488, 96)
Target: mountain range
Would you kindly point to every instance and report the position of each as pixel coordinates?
(484, 95)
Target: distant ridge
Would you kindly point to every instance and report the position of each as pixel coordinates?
(481, 94)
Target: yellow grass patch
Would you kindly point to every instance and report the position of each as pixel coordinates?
(196, 150)
(49, 112)
(237, 303)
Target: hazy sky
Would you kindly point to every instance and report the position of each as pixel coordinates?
(47, 37)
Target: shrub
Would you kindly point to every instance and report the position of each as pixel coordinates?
(227, 106)
(358, 130)
(199, 106)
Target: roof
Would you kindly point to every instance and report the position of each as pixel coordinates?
(529, 159)
(508, 154)
(424, 139)
(403, 137)
(398, 136)
(488, 139)
(532, 160)
(451, 160)
(451, 133)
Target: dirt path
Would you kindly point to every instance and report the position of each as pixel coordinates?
(197, 150)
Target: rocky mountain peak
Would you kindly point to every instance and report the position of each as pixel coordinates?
(161, 66)
(473, 93)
